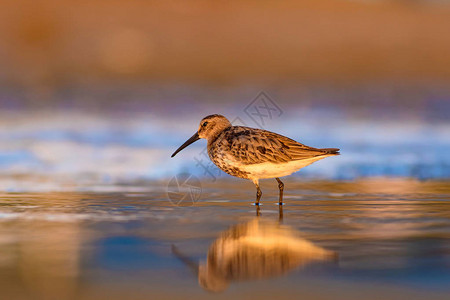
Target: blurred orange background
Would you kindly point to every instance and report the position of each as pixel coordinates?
(49, 42)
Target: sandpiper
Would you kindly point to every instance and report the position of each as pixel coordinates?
(252, 153)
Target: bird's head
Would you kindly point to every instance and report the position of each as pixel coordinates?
(210, 126)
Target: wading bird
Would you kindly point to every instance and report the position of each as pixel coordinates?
(252, 153)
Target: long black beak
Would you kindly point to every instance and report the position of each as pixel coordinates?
(187, 143)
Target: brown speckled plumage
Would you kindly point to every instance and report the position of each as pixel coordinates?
(253, 146)
(252, 153)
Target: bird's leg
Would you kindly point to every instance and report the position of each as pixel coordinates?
(258, 210)
(280, 213)
(258, 192)
(280, 187)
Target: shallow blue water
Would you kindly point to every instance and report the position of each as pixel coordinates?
(140, 245)
(112, 230)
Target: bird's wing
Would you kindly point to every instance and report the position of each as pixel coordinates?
(251, 146)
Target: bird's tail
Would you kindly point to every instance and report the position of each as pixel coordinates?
(334, 151)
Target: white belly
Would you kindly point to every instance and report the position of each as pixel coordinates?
(272, 170)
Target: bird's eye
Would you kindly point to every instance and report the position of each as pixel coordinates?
(204, 124)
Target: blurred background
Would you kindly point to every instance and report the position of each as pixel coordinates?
(96, 95)
(100, 93)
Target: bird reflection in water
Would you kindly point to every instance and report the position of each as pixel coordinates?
(251, 251)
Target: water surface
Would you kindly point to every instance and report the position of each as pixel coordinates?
(346, 240)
